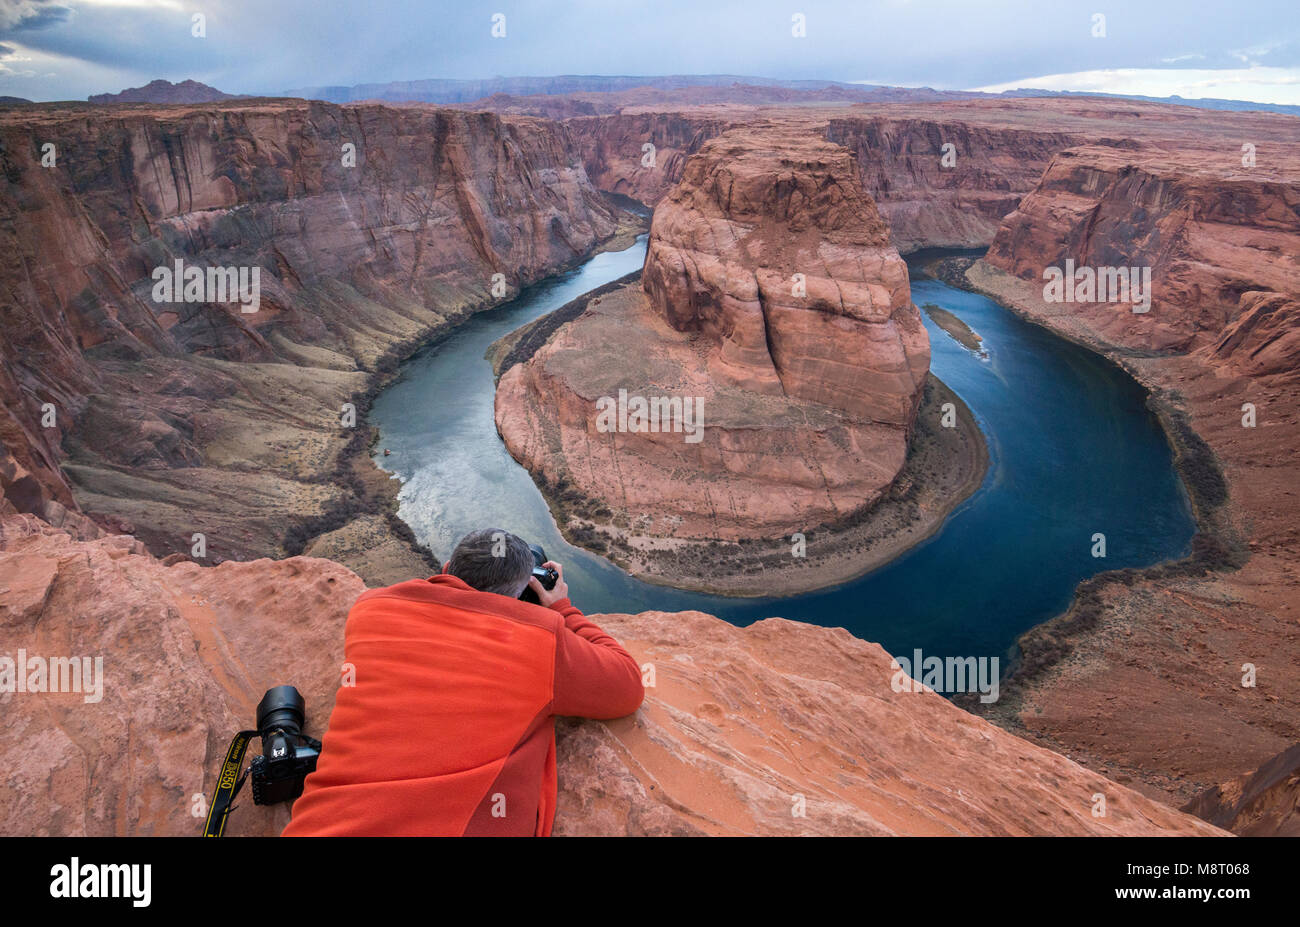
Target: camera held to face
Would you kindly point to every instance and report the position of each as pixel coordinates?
(545, 575)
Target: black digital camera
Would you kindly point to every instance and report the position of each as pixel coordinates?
(287, 757)
(545, 575)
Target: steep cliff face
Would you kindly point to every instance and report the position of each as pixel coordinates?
(1218, 238)
(352, 262)
(780, 728)
(1264, 338)
(1179, 678)
(613, 149)
(1001, 150)
(938, 197)
(1144, 675)
(771, 251)
(773, 302)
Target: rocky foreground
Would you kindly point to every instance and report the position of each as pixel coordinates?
(780, 728)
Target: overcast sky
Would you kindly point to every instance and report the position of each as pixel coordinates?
(1245, 50)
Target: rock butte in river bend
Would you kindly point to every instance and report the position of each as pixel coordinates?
(808, 397)
(1144, 687)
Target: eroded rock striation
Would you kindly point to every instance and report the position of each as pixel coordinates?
(942, 182)
(773, 253)
(738, 725)
(1216, 239)
(642, 155)
(369, 228)
(1265, 803)
(1148, 652)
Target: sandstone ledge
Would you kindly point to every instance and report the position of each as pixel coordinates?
(738, 723)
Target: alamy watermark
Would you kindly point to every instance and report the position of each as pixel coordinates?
(1098, 285)
(182, 284)
(639, 415)
(53, 674)
(75, 879)
(948, 676)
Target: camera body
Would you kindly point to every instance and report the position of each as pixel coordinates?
(287, 757)
(545, 575)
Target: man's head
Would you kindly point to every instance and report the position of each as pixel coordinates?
(492, 560)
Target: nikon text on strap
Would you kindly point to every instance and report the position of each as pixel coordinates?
(228, 784)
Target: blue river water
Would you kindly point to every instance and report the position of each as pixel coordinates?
(1073, 452)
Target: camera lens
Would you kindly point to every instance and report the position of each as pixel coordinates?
(281, 707)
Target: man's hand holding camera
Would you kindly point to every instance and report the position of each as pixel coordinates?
(548, 597)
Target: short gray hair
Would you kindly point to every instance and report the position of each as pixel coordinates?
(492, 560)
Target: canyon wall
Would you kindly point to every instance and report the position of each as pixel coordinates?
(930, 202)
(1218, 240)
(613, 149)
(779, 728)
(1143, 675)
(772, 295)
(1264, 803)
(181, 416)
(1181, 677)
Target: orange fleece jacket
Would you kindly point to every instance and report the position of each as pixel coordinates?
(450, 726)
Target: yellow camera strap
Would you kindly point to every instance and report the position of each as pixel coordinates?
(228, 783)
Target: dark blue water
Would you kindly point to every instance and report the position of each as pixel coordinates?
(1073, 450)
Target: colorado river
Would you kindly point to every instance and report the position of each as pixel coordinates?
(1074, 452)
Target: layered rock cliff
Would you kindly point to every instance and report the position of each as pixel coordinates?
(370, 229)
(936, 196)
(1265, 803)
(1180, 677)
(1218, 347)
(780, 728)
(770, 250)
(614, 149)
(774, 302)
(1217, 238)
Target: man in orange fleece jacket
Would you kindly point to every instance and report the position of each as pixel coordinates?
(450, 726)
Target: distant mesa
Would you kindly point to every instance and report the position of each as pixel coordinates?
(164, 91)
(681, 88)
